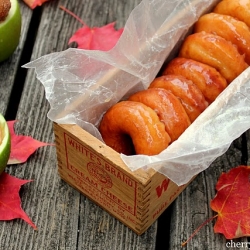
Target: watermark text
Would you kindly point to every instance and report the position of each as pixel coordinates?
(232, 244)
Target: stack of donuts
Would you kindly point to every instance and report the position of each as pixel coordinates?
(210, 58)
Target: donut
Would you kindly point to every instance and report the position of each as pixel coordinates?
(168, 108)
(227, 27)
(206, 78)
(188, 93)
(209, 59)
(239, 9)
(133, 128)
(215, 51)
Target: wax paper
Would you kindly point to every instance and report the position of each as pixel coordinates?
(81, 85)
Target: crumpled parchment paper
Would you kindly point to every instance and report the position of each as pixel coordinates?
(81, 85)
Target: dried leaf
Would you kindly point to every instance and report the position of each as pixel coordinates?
(10, 202)
(232, 203)
(22, 146)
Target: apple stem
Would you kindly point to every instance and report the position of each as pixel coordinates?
(198, 229)
(72, 14)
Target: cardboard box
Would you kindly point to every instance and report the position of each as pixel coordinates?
(136, 198)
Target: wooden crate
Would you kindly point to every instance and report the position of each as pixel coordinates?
(136, 198)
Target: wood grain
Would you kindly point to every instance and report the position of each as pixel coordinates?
(65, 219)
(192, 208)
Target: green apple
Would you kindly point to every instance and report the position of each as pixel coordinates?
(5, 143)
(10, 30)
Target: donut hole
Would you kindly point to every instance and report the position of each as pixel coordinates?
(131, 127)
(126, 145)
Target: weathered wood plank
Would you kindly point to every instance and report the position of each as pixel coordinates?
(192, 208)
(65, 219)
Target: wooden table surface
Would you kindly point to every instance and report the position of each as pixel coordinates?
(67, 220)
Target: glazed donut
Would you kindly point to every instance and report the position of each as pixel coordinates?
(208, 61)
(227, 27)
(215, 51)
(131, 127)
(207, 78)
(240, 9)
(188, 93)
(168, 108)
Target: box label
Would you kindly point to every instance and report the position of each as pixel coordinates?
(162, 187)
(98, 179)
(171, 196)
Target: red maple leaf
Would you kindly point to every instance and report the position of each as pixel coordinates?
(232, 203)
(34, 3)
(10, 202)
(22, 146)
(97, 38)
